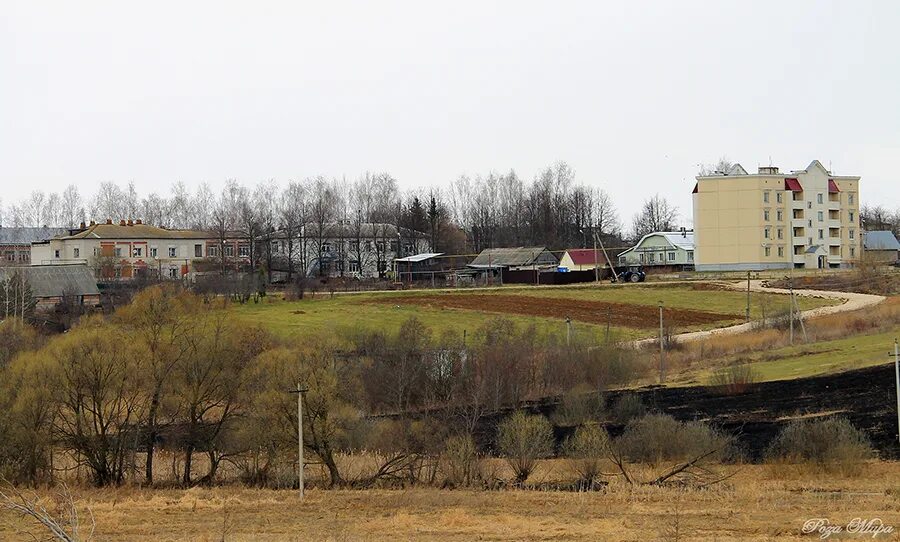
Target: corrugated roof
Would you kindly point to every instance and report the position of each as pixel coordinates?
(793, 185)
(514, 257)
(683, 240)
(832, 187)
(26, 236)
(880, 240)
(585, 256)
(56, 280)
(137, 231)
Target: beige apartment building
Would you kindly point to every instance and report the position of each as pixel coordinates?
(772, 220)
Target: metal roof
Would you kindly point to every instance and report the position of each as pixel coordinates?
(56, 280)
(880, 240)
(419, 257)
(514, 257)
(26, 236)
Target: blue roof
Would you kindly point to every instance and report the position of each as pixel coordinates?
(880, 240)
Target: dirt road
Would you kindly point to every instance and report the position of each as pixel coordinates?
(850, 302)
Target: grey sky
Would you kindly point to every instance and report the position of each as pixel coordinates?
(632, 95)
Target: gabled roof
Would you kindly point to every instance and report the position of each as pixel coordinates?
(26, 236)
(792, 184)
(832, 187)
(514, 257)
(880, 240)
(677, 239)
(419, 257)
(585, 256)
(136, 231)
(55, 280)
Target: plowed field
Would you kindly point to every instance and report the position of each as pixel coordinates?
(593, 312)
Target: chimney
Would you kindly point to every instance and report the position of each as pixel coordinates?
(93, 223)
(122, 222)
(138, 222)
(767, 170)
(81, 226)
(109, 221)
(130, 222)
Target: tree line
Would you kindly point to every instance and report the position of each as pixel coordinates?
(470, 213)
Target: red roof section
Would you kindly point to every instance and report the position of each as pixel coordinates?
(585, 256)
(832, 187)
(793, 185)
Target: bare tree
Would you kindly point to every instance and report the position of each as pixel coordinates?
(657, 214)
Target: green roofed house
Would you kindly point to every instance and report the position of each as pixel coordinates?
(670, 250)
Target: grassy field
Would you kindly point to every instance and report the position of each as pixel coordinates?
(758, 503)
(386, 311)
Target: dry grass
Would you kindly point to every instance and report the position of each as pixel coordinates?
(759, 503)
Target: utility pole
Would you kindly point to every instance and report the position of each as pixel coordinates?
(791, 286)
(300, 391)
(748, 297)
(568, 331)
(662, 348)
(596, 260)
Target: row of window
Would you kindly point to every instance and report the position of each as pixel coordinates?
(664, 257)
(779, 215)
(153, 252)
(767, 233)
(820, 197)
(768, 251)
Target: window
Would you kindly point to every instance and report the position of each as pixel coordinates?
(173, 252)
(198, 251)
(779, 215)
(820, 198)
(821, 216)
(326, 247)
(118, 252)
(173, 273)
(766, 196)
(852, 233)
(821, 234)
(622, 260)
(212, 251)
(809, 205)
(780, 233)
(767, 234)
(766, 215)
(780, 252)
(244, 251)
(671, 256)
(154, 252)
(651, 257)
(353, 266)
(690, 255)
(11, 256)
(851, 216)
(96, 252)
(229, 250)
(768, 252)
(778, 197)
(76, 252)
(850, 198)
(138, 252)
(852, 252)
(641, 257)
(368, 246)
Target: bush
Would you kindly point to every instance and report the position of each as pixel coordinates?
(460, 460)
(579, 406)
(627, 408)
(585, 451)
(658, 437)
(830, 443)
(523, 439)
(734, 379)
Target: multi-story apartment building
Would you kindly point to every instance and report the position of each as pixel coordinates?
(770, 220)
(132, 249)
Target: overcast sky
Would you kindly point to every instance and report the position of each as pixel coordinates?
(633, 95)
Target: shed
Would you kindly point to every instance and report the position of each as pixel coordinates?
(50, 283)
(881, 246)
(514, 258)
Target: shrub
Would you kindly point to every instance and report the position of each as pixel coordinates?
(579, 406)
(734, 379)
(830, 443)
(585, 451)
(658, 437)
(460, 459)
(627, 408)
(523, 439)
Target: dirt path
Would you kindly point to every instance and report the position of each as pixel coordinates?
(850, 302)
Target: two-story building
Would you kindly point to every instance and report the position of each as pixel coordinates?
(771, 220)
(15, 243)
(131, 249)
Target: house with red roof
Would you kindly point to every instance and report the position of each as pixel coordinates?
(583, 259)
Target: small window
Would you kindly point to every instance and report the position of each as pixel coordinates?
(118, 252)
(622, 260)
(198, 251)
(690, 255)
(850, 198)
(768, 252)
(173, 252)
(96, 252)
(766, 215)
(153, 252)
(852, 234)
(76, 252)
(326, 248)
(354, 266)
(767, 234)
(780, 215)
(820, 198)
(229, 250)
(766, 196)
(851, 216)
(212, 251)
(56, 254)
(780, 252)
(779, 197)
(821, 234)
(809, 205)
(671, 256)
(852, 252)
(780, 233)
(651, 257)
(173, 273)
(821, 216)
(138, 252)
(244, 251)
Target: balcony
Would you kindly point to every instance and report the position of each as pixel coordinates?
(832, 205)
(798, 204)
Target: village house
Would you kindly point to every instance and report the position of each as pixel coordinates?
(582, 259)
(807, 218)
(668, 250)
(15, 243)
(52, 285)
(131, 249)
(346, 249)
(881, 246)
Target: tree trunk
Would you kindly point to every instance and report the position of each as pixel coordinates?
(188, 456)
(151, 438)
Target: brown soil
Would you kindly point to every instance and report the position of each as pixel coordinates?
(593, 312)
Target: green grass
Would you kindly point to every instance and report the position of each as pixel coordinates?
(364, 310)
(807, 360)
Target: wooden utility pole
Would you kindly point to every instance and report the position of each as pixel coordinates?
(662, 347)
(300, 462)
(897, 374)
(596, 260)
(568, 331)
(748, 296)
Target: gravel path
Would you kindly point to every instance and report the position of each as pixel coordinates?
(850, 302)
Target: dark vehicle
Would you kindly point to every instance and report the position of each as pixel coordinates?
(634, 273)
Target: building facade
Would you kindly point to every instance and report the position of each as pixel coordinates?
(772, 220)
(131, 249)
(15, 243)
(663, 249)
